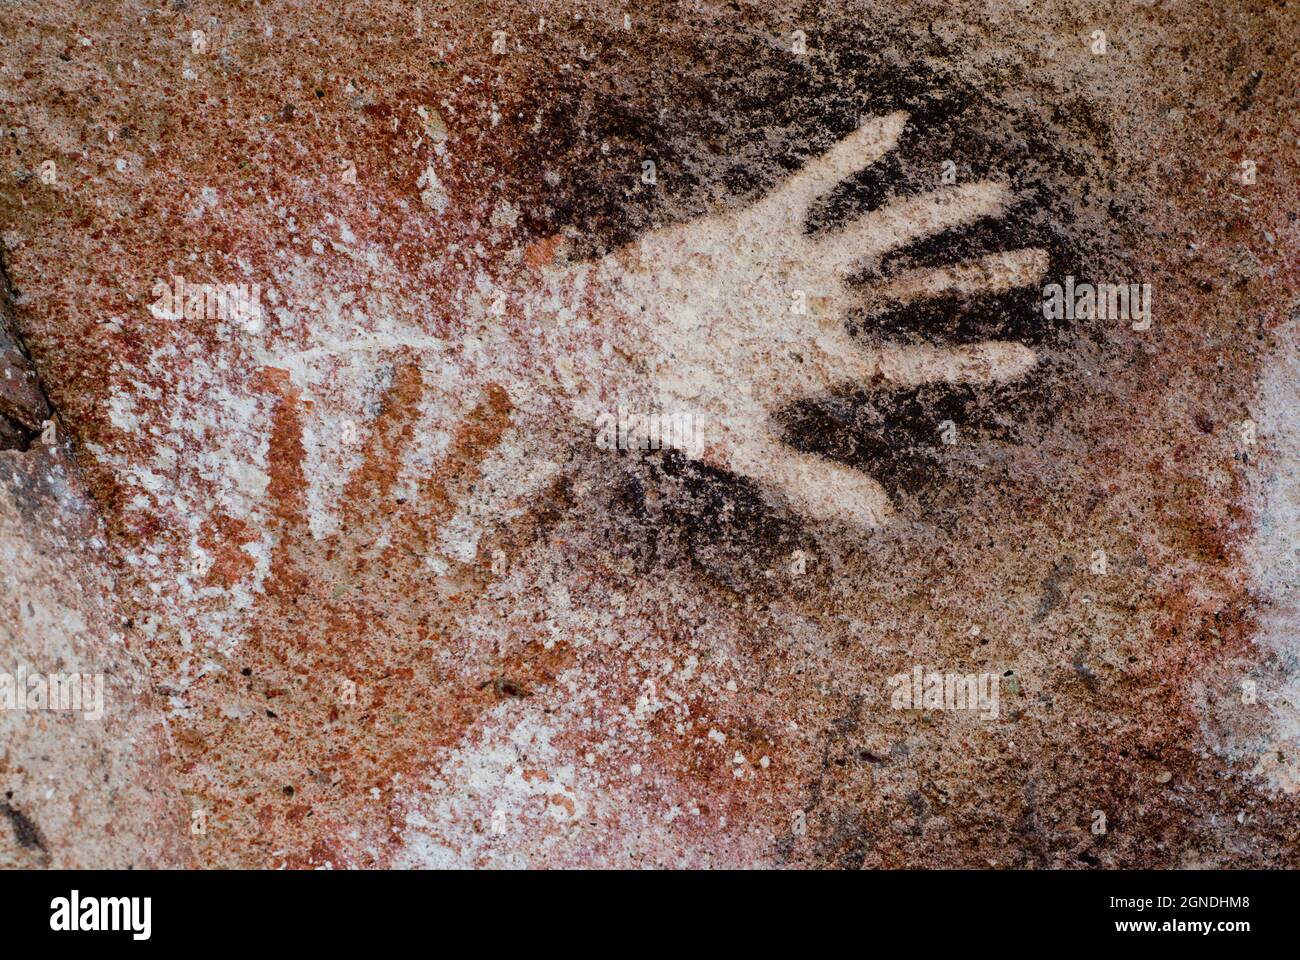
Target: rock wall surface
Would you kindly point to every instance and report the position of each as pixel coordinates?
(404, 603)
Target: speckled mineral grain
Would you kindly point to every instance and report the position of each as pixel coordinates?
(499, 434)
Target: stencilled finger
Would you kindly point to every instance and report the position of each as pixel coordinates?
(903, 221)
(286, 490)
(871, 141)
(995, 297)
(992, 273)
(815, 487)
(474, 439)
(368, 493)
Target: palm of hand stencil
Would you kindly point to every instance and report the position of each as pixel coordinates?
(744, 312)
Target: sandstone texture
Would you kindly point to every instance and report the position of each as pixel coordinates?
(369, 584)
